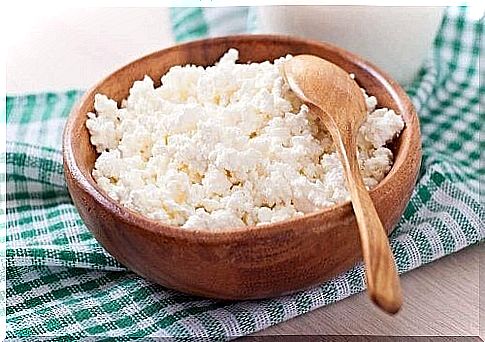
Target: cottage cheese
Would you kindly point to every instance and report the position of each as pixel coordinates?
(226, 146)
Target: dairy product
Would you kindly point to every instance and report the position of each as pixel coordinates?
(397, 39)
(227, 146)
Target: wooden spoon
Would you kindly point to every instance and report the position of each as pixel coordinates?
(337, 99)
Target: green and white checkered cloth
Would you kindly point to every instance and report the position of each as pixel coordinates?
(61, 282)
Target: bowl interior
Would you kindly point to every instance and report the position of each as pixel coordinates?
(252, 48)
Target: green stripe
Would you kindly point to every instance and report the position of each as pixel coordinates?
(9, 106)
(51, 101)
(194, 27)
(28, 109)
(46, 195)
(13, 177)
(189, 14)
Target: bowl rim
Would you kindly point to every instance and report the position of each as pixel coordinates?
(89, 186)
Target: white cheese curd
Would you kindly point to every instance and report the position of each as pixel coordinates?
(227, 146)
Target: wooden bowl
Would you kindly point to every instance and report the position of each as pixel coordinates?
(253, 262)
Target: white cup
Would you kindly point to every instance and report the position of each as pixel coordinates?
(397, 39)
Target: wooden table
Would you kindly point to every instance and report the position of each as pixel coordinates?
(73, 48)
(441, 298)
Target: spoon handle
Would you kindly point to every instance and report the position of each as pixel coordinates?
(382, 279)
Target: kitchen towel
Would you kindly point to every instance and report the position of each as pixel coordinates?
(61, 282)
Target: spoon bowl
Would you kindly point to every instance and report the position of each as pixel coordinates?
(325, 85)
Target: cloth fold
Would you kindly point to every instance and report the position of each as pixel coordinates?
(61, 282)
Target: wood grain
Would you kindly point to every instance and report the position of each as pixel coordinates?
(339, 103)
(441, 299)
(253, 262)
